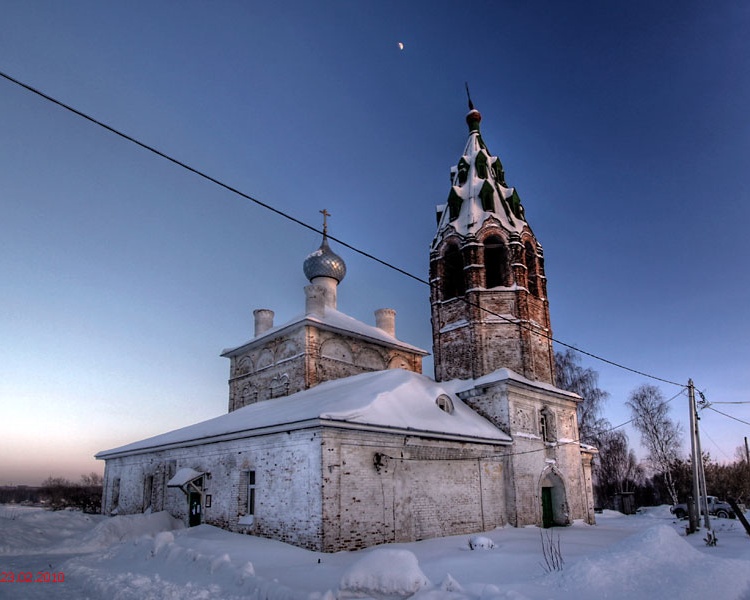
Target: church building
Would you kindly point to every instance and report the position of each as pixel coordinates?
(335, 440)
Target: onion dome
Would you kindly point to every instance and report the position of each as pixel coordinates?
(324, 262)
(473, 118)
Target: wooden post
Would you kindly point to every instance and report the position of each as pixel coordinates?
(740, 516)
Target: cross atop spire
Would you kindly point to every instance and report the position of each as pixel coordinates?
(473, 117)
(325, 214)
(468, 95)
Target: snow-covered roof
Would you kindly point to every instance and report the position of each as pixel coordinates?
(462, 385)
(394, 400)
(183, 476)
(334, 320)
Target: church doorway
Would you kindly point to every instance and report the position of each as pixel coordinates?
(547, 517)
(553, 500)
(194, 509)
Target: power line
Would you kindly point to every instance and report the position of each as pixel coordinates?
(703, 430)
(739, 402)
(289, 217)
(726, 415)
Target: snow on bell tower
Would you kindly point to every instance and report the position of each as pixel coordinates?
(489, 291)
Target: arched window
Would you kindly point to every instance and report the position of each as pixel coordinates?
(445, 403)
(453, 273)
(495, 262)
(531, 269)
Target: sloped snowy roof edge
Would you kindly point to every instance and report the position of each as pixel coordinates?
(394, 400)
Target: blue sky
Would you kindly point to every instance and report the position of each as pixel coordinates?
(624, 127)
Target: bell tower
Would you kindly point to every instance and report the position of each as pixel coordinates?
(488, 287)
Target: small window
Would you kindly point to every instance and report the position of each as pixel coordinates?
(148, 488)
(115, 492)
(481, 165)
(454, 204)
(497, 170)
(487, 196)
(547, 425)
(463, 171)
(445, 403)
(250, 493)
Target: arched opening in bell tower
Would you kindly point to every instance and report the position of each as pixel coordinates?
(495, 262)
(454, 284)
(531, 269)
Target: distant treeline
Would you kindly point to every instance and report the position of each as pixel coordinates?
(58, 493)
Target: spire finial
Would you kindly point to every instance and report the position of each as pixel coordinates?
(325, 214)
(474, 116)
(468, 95)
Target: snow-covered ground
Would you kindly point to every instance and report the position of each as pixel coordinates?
(645, 556)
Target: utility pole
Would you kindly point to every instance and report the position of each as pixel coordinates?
(747, 452)
(694, 510)
(701, 471)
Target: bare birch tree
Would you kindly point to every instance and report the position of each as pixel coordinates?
(571, 376)
(617, 469)
(661, 436)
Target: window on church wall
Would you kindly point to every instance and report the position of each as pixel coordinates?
(115, 492)
(496, 269)
(251, 493)
(248, 482)
(148, 488)
(547, 425)
(453, 273)
(531, 269)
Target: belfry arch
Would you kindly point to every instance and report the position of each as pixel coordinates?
(496, 264)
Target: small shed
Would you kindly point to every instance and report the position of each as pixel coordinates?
(625, 502)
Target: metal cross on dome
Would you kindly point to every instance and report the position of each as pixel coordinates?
(325, 214)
